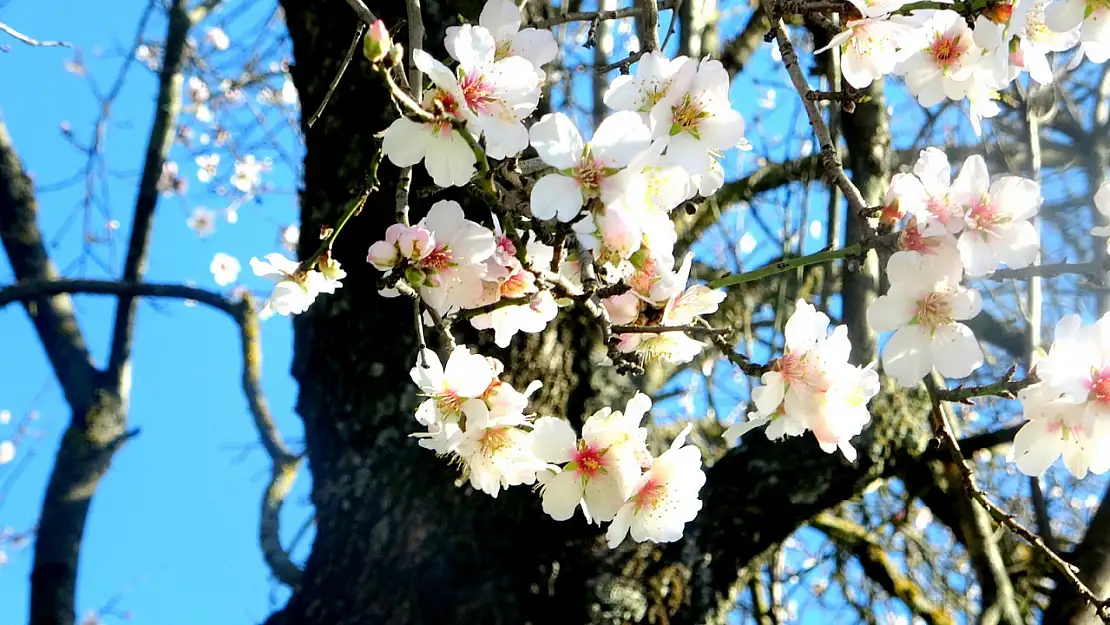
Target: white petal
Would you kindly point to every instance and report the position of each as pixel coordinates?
(557, 141)
(553, 440)
(405, 142)
(604, 497)
(956, 352)
(618, 529)
(619, 138)
(972, 182)
(469, 375)
(1035, 449)
(556, 196)
(561, 495)
(889, 312)
(501, 18)
(908, 355)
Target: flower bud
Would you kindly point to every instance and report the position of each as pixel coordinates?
(416, 243)
(377, 43)
(382, 255)
(396, 53)
(415, 277)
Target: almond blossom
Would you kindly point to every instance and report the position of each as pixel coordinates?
(695, 119)
(642, 90)
(943, 66)
(812, 387)
(502, 19)
(295, 289)
(1036, 40)
(466, 376)
(873, 47)
(664, 500)
(924, 307)
(997, 229)
(7, 452)
(680, 309)
(1069, 408)
(495, 451)
(585, 169)
(225, 269)
(600, 470)
(1091, 17)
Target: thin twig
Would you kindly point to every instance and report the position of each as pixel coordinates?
(339, 75)
(31, 41)
(590, 16)
(627, 329)
(364, 14)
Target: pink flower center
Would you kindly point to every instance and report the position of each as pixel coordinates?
(984, 216)
(448, 402)
(477, 92)
(934, 310)
(588, 460)
(440, 259)
(506, 246)
(518, 284)
(947, 50)
(940, 208)
(1099, 386)
(649, 495)
(589, 174)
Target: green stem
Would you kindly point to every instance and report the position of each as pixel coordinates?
(353, 208)
(785, 265)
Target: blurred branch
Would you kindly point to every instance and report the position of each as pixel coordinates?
(52, 317)
(1069, 602)
(338, 75)
(878, 566)
(168, 106)
(31, 41)
(597, 16)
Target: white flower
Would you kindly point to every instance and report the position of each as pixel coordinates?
(288, 237)
(202, 221)
(530, 318)
(640, 91)
(453, 269)
(681, 308)
(695, 119)
(942, 68)
(225, 269)
(923, 307)
(1091, 17)
(248, 174)
(496, 453)
(295, 289)
(218, 37)
(466, 376)
(499, 92)
(198, 91)
(599, 470)
(1036, 40)
(446, 154)
(813, 387)
(1055, 428)
(1077, 369)
(502, 19)
(665, 498)
(585, 169)
(206, 166)
(7, 452)
(877, 8)
(997, 229)
(873, 47)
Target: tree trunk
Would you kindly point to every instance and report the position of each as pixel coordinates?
(397, 541)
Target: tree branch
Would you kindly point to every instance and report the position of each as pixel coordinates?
(877, 565)
(30, 41)
(161, 140)
(52, 317)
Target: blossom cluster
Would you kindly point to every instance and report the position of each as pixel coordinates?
(479, 421)
(967, 227)
(813, 387)
(1068, 410)
(945, 54)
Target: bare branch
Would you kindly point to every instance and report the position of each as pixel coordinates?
(338, 75)
(161, 139)
(364, 14)
(31, 41)
(590, 16)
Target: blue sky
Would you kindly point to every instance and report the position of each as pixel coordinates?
(174, 524)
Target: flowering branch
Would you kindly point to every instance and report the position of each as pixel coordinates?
(943, 427)
(1094, 269)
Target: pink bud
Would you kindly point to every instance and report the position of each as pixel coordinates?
(377, 42)
(394, 232)
(416, 243)
(382, 255)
